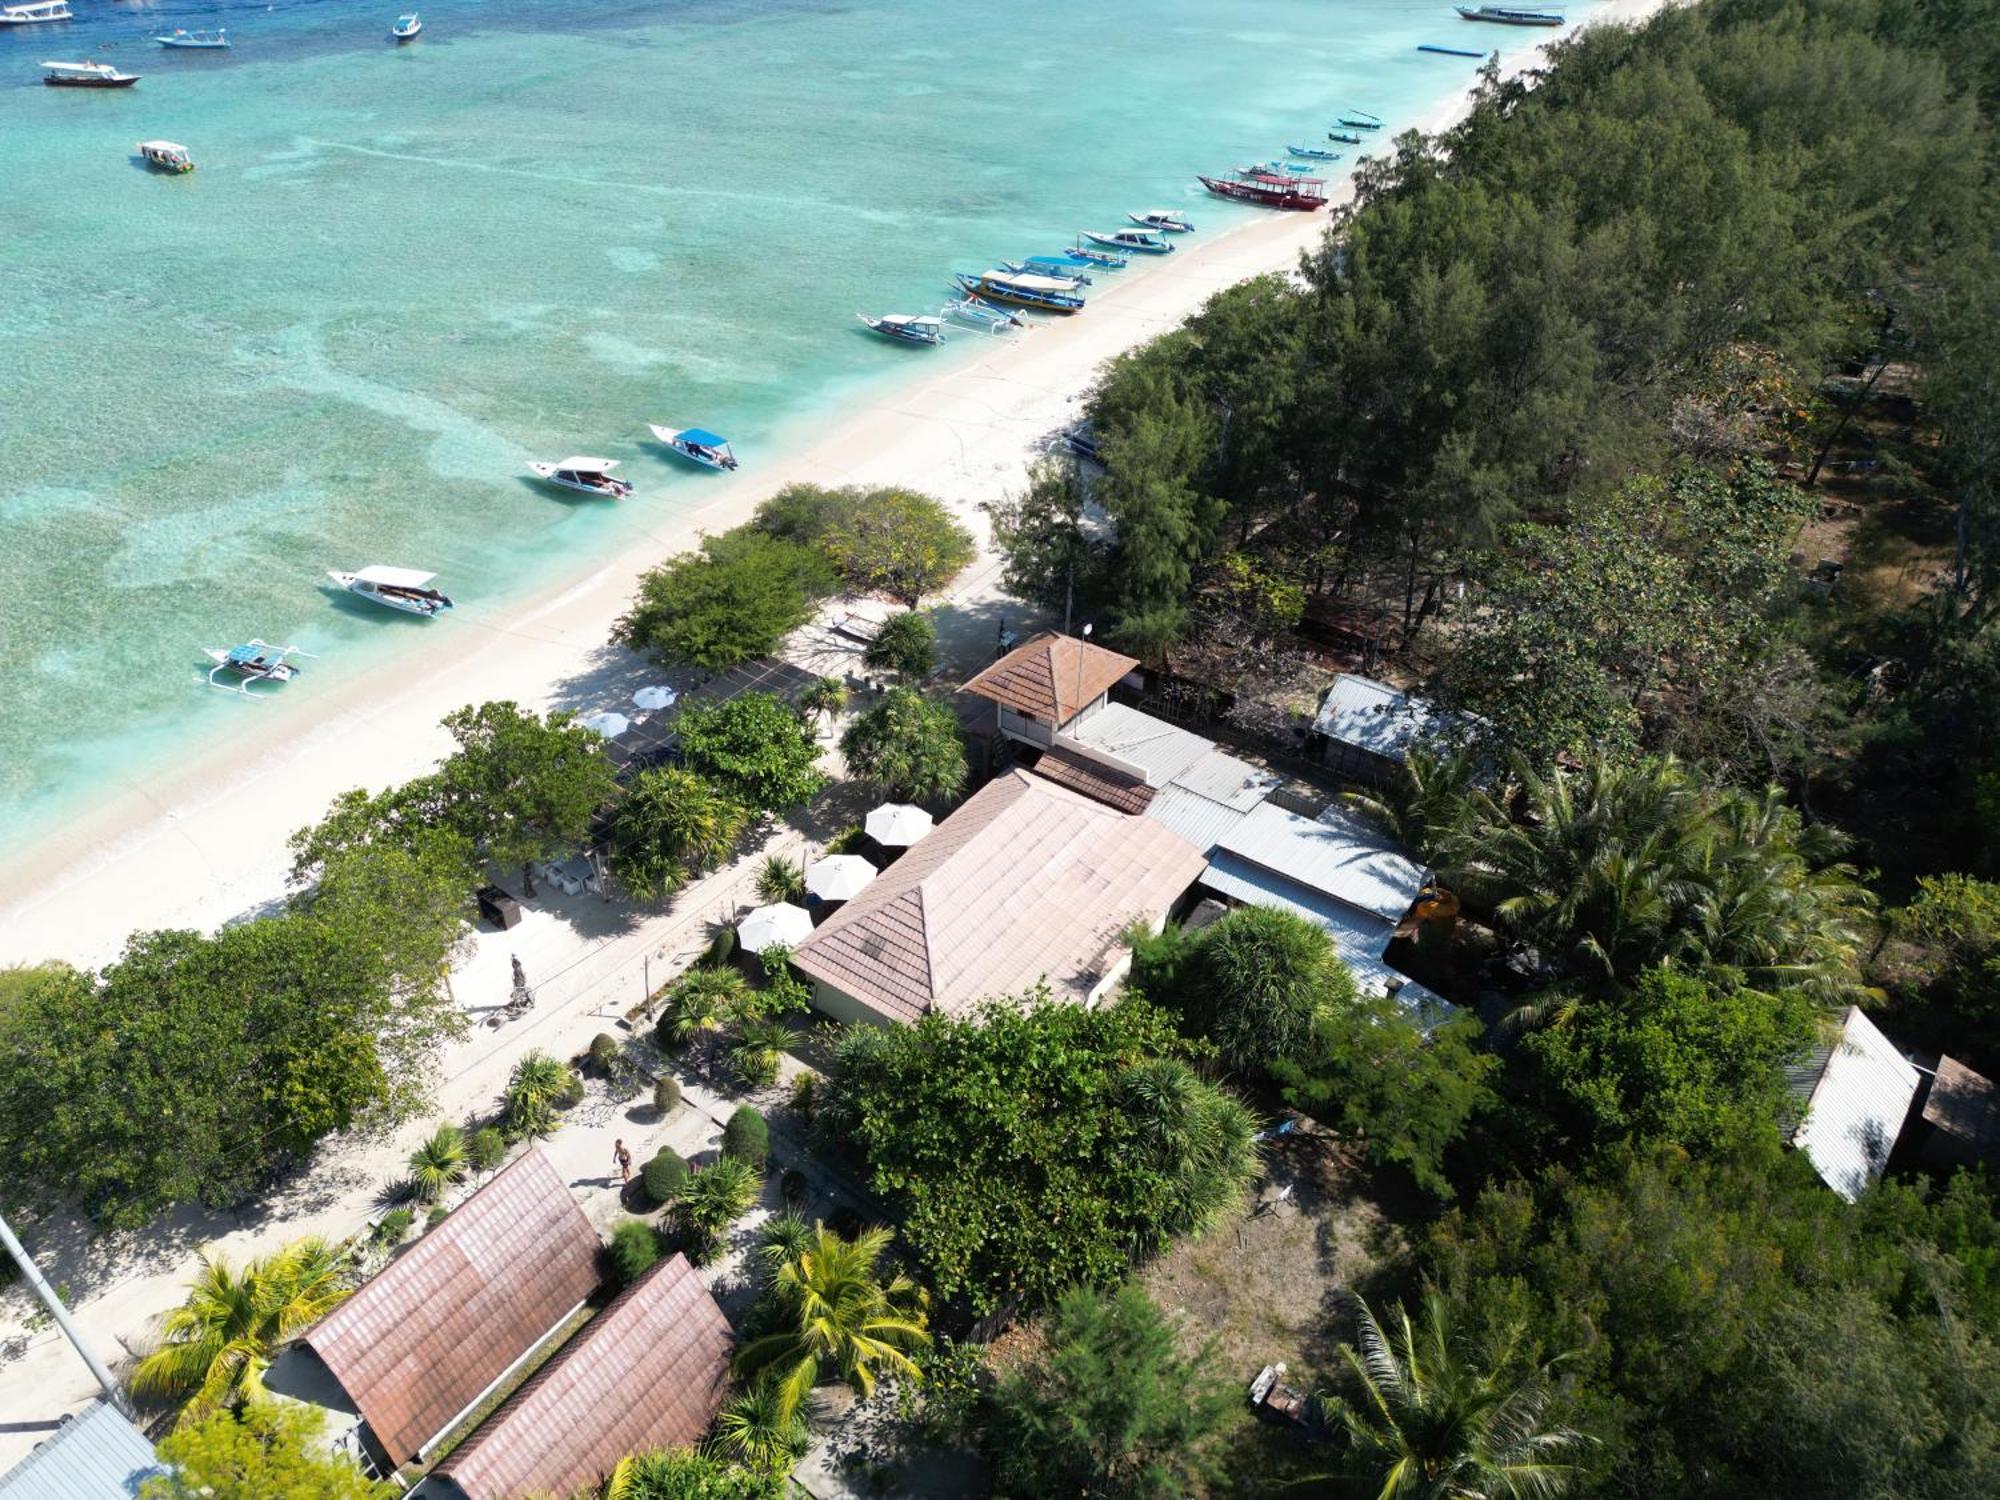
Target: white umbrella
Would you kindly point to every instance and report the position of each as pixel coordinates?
(655, 697)
(897, 825)
(608, 724)
(780, 926)
(839, 877)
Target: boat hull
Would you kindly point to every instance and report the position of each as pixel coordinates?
(1000, 293)
(1126, 247)
(616, 489)
(93, 83)
(1510, 18)
(1265, 197)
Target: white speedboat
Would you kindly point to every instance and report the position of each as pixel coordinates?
(1168, 219)
(406, 28)
(35, 14)
(587, 476)
(166, 156)
(406, 589)
(709, 449)
(200, 41)
(86, 75)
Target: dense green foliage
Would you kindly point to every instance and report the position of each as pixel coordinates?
(747, 1137)
(1033, 1146)
(1110, 1407)
(906, 645)
(537, 1087)
(266, 1449)
(755, 748)
(632, 1251)
(439, 1164)
(735, 599)
(670, 826)
(901, 542)
(663, 1176)
(907, 746)
(686, 1474)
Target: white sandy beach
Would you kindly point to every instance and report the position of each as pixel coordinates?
(197, 844)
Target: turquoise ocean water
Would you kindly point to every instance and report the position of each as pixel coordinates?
(399, 273)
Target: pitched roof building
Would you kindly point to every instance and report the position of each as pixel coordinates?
(1963, 1112)
(1044, 684)
(1365, 728)
(1856, 1089)
(95, 1455)
(427, 1338)
(1027, 881)
(647, 1372)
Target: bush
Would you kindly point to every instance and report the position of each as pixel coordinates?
(666, 1094)
(747, 1138)
(805, 1093)
(486, 1148)
(906, 645)
(663, 1176)
(633, 1251)
(781, 879)
(438, 1214)
(572, 1091)
(721, 947)
(393, 1227)
(848, 841)
(604, 1053)
(737, 598)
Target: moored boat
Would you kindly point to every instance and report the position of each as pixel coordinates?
(1345, 137)
(406, 28)
(165, 156)
(1503, 15)
(196, 41)
(1171, 221)
(1137, 241)
(587, 476)
(1277, 168)
(1270, 191)
(253, 661)
(1354, 119)
(980, 314)
(35, 14)
(86, 75)
(1049, 294)
(1098, 256)
(405, 589)
(1314, 153)
(709, 449)
(907, 328)
(1063, 267)
(1447, 51)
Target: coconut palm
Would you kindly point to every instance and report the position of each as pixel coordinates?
(838, 1313)
(781, 879)
(1432, 1423)
(439, 1163)
(1427, 802)
(757, 1430)
(757, 1048)
(215, 1346)
(528, 1105)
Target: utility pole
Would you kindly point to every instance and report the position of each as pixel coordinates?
(61, 1314)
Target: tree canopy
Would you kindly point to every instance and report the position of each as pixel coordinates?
(755, 748)
(735, 599)
(263, 1450)
(907, 745)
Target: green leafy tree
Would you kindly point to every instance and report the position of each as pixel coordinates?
(671, 824)
(262, 1450)
(896, 540)
(837, 1313)
(908, 746)
(755, 748)
(439, 1164)
(688, 1474)
(1255, 984)
(521, 787)
(802, 514)
(906, 645)
(1110, 1407)
(215, 1346)
(1046, 552)
(735, 599)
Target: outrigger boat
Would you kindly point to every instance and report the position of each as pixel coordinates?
(1313, 153)
(1345, 137)
(1139, 241)
(1049, 294)
(86, 75)
(980, 314)
(587, 476)
(1062, 267)
(406, 28)
(35, 14)
(1165, 219)
(1501, 15)
(1286, 168)
(200, 41)
(907, 328)
(1098, 256)
(406, 589)
(1447, 51)
(253, 661)
(166, 156)
(710, 450)
(1270, 190)
(1356, 120)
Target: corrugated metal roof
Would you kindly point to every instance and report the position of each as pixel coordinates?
(1026, 881)
(1372, 716)
(647, 1372)
(1359, 939)
(1198, 819)
(1051, 677)
(1152, 747)
(1855, 1107)
(1221, 777)
(95, 1455)
(1335, 854)
(421, 1342)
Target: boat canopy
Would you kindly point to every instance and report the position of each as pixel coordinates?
(395, 578)
(1030, 282)
(703, 436)
(163, 146)
(588, 465)
(246, 654)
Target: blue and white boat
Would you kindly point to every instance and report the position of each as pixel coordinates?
(907, 328)
(1291, 167)
(196, 41)
(1097, 256)
(1049, 294)
(1167, 220)
(1137, 241)
(1069, 267)
(407, 28)
(981, 314)
(1313, 153)
(253, 661)
(38, 13)
(710, 450)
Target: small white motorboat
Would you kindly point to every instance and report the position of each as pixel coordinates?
(86, 75)
(406, 28)
(166, 156)
(253, 661)
(907, 328)
(35, 14)
(1172, 221)
(709, 449)
(406, 589)
(198, 41)
(587, 476)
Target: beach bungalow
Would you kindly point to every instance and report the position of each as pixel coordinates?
(1027, 882)
(1364, 729)
(94, 1455)
(648, 1372)
(418, 1347)
(1855, 1090)
(1041, 687)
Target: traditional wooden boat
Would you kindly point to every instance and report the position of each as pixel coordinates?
(1049, 294)
(978, 314)
(1447, 51)
(1356, 120)
(195, 41)
(165, 156)
(907, 328)
(1502, 15)
(253, 661)
(35, 14)
(1313, 153)
(86, 75)
(1098, 256)
(587, 476)
(1269, 190)
(404, 589)
(1277, 168)
(1166, 219)
(1138, 241)
(709, 449)
(1345, 137)
(1059, 266)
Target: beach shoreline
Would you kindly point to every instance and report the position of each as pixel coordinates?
(204, 841)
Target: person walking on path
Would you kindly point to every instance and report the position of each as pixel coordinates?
(622, 1158)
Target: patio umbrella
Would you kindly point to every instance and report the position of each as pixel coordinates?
(897, 825)
(608, 724)
(660, 696)
(839, 877)
(780, 926)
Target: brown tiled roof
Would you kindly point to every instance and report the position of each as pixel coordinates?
(1052, 677)
(1965, 1105)
(647, 1372)
(1115, 789)
(416, 1346)
(1027, 881)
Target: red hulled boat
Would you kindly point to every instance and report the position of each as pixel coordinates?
(1270, 189)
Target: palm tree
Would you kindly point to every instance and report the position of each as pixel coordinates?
(700, 1005)
(215, 1346)
(671, 823)
(838, 1313)
(826, 695)
(782, 1240)
(439, 1163)
(1427, 803)
(757, 1429)
(1432, 1424)
(759, 1045)
(781, 879)
(1201, 1140)
(717, 1196)
(537, 1084)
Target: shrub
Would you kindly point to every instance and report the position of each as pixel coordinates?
(604, 1053)
(663, 1176)
(438, 1214)
(805, 1093)
(535, 1088)
(781, 879)
(848, 840)
(572, 1091)
(393, 1227)
(439, 1163)
(486, 1148)
(758, 1050)
(721, 947)
(633, 1251)
(666, 1094)
(747, 1138)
